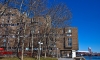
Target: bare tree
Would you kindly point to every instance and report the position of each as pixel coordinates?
(58, 14)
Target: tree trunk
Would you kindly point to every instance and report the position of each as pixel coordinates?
(18, 46)
(23, 42)
(32, 39)
(32, 44)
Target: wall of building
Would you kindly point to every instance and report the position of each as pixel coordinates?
(55, 39)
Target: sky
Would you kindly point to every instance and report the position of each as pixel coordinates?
(86, 17)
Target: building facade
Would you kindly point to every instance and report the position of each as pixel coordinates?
(16, 27)
(67, 44)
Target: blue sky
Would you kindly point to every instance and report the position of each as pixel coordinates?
(86, 17)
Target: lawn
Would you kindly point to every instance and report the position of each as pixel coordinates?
(27, 58)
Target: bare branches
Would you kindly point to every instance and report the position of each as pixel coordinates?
(37, 7)
(30, 10)
(5, 4)
(59, 14)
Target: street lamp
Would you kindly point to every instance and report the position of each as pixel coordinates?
(40, 48)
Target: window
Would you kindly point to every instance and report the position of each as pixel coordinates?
(40, 23)
(51, 44)
(1, 12)
(13, 14)
(4, 41)
(10, 11)
(38, 31)
(69, 42)
(2, 19)
(69, 34)
(51, 39)
(12, 24)
(47, 24)
(69, 31)
(13, 36)
(11, 18)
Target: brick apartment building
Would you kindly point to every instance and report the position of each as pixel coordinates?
(15, 26)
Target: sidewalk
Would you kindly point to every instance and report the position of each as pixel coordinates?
(65, 59)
